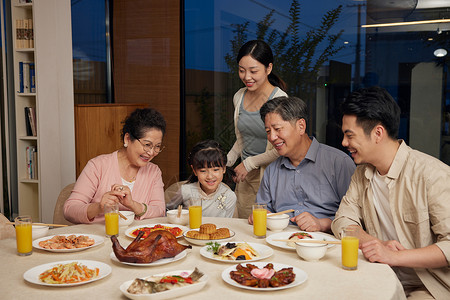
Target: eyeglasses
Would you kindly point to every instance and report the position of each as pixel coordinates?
(147, 147)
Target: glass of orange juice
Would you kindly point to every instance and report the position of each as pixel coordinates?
(259, 220)
(23, 225)
(195, 212)
(111, 219)
(350, 245)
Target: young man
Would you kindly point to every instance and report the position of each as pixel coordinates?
(309, 177)
(398, 197)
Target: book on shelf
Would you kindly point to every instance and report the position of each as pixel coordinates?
(31, 162)
(27, 74)
(30, 121)
(24, 33)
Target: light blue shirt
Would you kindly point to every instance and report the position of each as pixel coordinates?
(316, 185)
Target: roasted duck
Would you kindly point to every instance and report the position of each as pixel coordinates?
(159, 244)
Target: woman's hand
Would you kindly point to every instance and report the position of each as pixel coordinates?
(123, 194)
(241, 173)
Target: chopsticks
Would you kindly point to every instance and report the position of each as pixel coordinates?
(41, 224)
(311, 241)
(179, 211)
(122, 216)
(280, 212)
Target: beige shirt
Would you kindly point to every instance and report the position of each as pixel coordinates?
(419, 198)
(252, 162)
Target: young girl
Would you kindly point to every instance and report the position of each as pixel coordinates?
(208, 162)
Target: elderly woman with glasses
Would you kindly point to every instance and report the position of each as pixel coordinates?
(126, 176)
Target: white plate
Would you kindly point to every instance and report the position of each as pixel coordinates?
(32, 275)
(98, 240)
(131, 229)
(263, 251)
(162, 261)
(203, 242)
(170, 294)
(300, 277)
(285, 235)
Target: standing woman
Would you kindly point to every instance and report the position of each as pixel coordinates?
(255, 60)
(125, 176)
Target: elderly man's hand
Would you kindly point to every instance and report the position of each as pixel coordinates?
(308, 222)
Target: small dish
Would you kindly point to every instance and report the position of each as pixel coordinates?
(172, 216)
(199, 242)
(278, 223)
(130, 218)
(39, 231)
(309, 251)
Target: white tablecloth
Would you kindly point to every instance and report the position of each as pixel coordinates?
(326, 278)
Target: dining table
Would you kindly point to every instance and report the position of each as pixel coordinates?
(326, 279)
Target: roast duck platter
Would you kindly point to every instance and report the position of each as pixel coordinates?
(159, 244)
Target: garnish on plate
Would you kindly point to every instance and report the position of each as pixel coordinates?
(213, 246)
(234, 251)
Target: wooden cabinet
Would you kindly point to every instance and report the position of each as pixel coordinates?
(43, 46)
(98, 129)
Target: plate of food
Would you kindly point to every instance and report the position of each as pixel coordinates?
(169, 285)
(236, 252)
(159, 262)
(297, 236)
(67, 273)
(208, 233)
(264, 277)
(68, 242)
(177, 231)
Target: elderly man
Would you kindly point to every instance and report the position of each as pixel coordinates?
(309, 177)
(398, 198)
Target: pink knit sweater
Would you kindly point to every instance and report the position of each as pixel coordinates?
(97, 178)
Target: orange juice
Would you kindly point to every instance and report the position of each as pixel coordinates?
(259, 222)
(24, 238)
(195, 216)
(112, 223)
(350, 245)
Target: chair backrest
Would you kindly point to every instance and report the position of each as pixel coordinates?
(172, 190)
(58, 214)
(6, 231)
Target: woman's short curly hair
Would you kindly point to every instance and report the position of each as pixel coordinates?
(141, 120)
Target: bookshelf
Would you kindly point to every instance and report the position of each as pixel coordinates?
(43, 83)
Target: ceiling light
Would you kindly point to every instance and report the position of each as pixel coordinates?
(440, 52)
(407, 23)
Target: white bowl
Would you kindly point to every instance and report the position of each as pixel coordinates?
(310, 251)
(278, 223)
(39, 231)
(172, 216)
(130, 218)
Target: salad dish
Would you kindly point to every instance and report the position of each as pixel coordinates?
(236, 252)
(67, 273)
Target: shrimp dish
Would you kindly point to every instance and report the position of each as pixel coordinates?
(67, 242)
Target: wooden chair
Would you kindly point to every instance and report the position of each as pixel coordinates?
(6, 230)
(58, 214)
